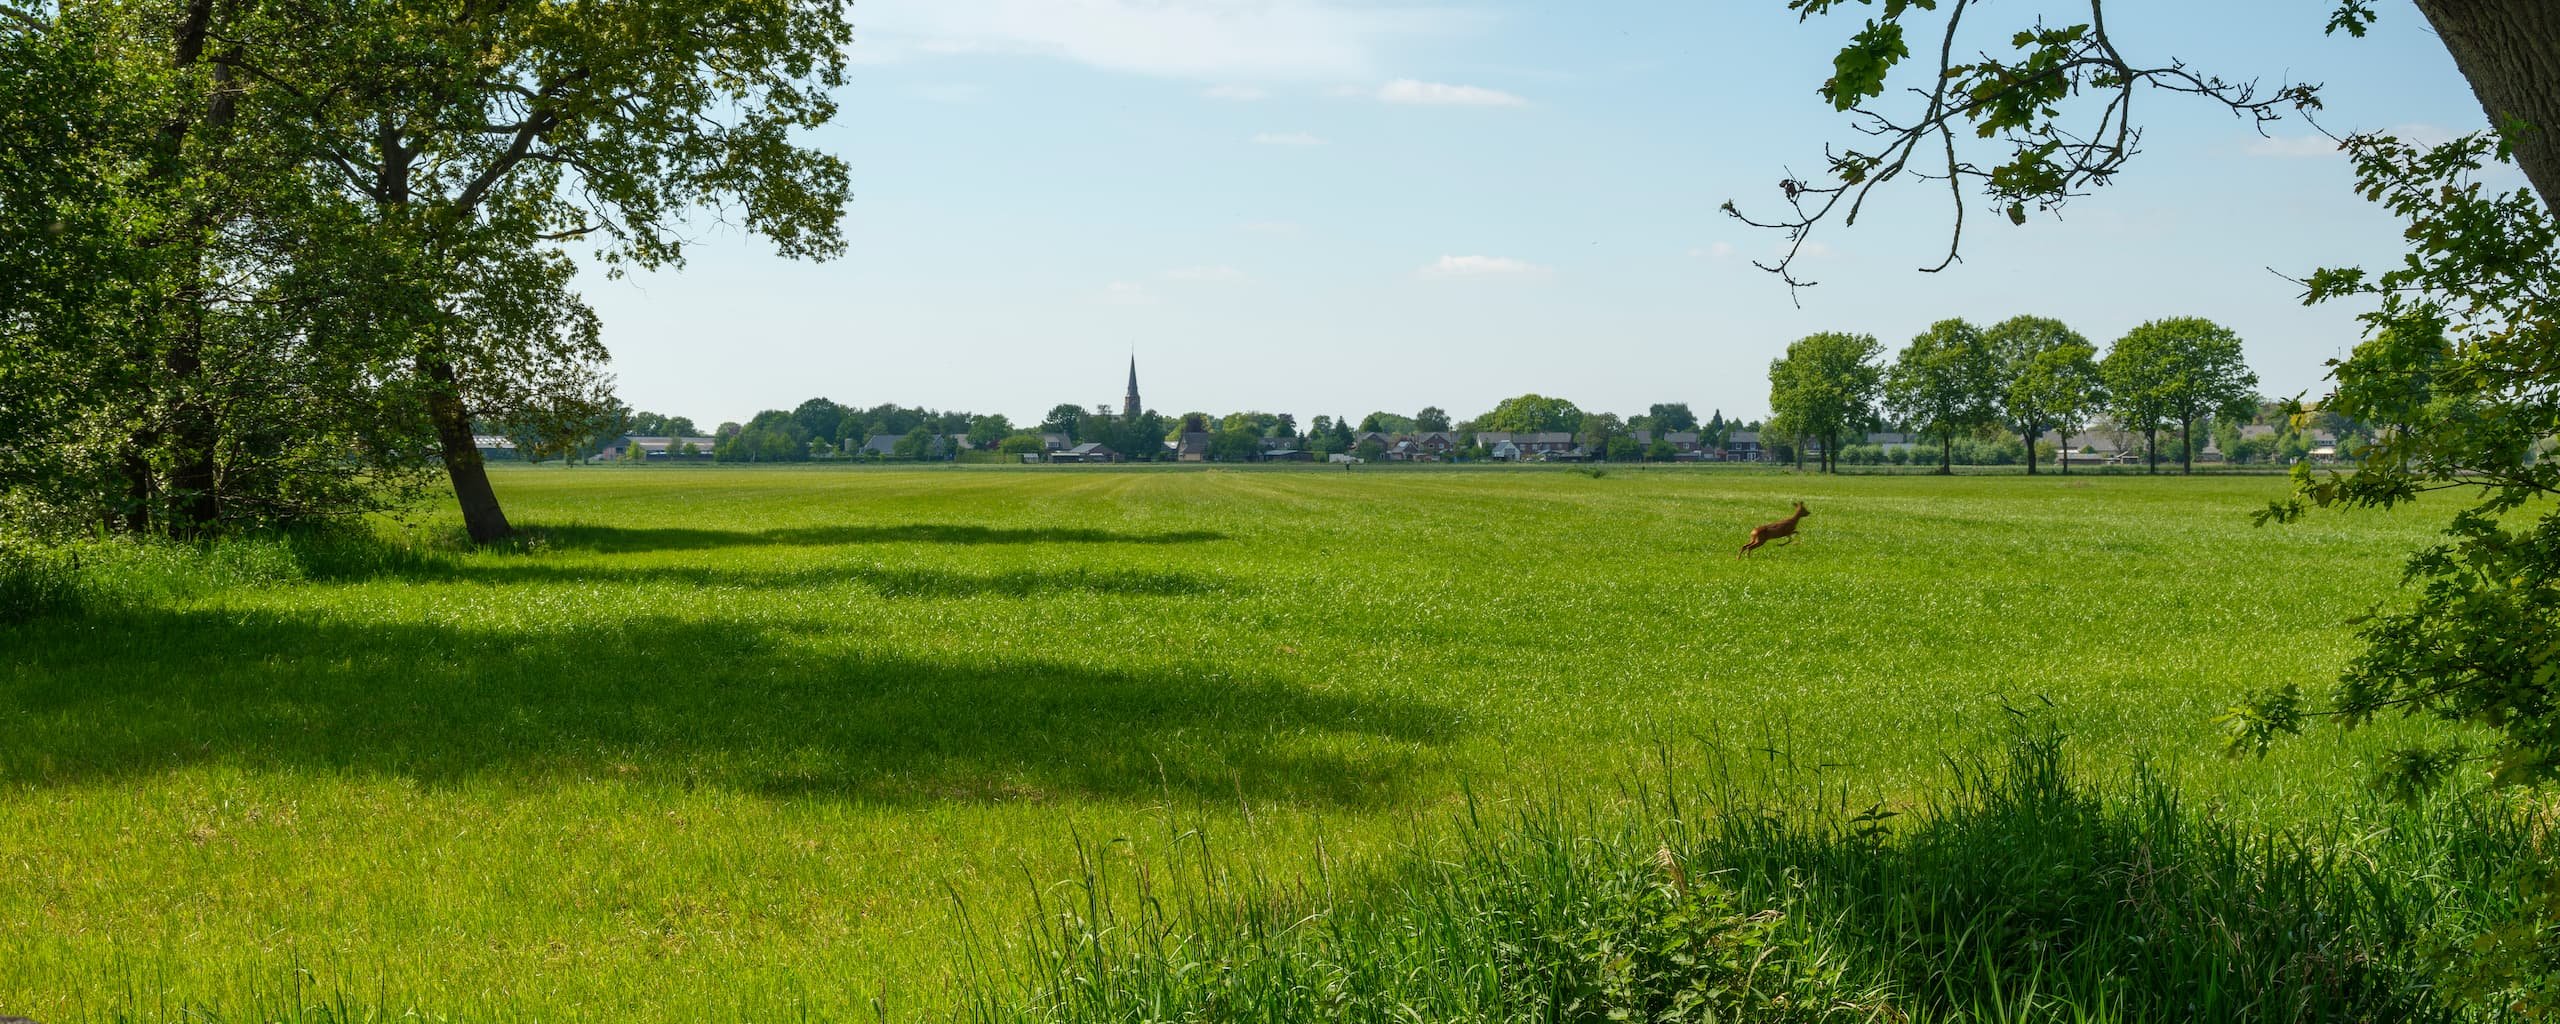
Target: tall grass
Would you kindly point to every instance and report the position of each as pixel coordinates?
(2024, 893)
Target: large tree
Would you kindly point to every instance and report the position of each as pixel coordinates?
(2179, 370)
(1944, 383)
(471, 138)
(2048, 374)
(2135, 375)
(1531, 414)
(1825, 389)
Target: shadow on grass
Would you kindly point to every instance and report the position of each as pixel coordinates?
(618, 540)
(905, 582)
(660, 700)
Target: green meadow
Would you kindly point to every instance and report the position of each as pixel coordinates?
(741, 743)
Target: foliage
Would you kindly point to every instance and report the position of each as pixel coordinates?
(2050, 375)
(1946, 382)
(2457, 373)
(1432, 418)
(2055, 110)
(1825, 388)
(2183, 370)
(1530, 414)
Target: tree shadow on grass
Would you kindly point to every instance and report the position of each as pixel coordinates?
(673, 701)
(888, 582)
(620, 540)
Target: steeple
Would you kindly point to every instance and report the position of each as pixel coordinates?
(1129, 407)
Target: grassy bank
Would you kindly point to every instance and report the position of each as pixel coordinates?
(724, 742)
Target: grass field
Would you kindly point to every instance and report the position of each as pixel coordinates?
(739, 742)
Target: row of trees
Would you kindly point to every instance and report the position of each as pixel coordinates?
(822, 429)
(2026, 374)
(263, 263)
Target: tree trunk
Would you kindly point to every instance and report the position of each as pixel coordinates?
(2510, 52)
(1947, 455)
(2151, 449)
(2030, 438)
(481, 516)
(2187, 447)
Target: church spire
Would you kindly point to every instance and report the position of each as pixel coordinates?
(1129, 407)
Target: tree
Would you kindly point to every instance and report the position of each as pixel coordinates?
(2179, 370)
(373, 198)
(2058, 110)
(819, 418)
(1235, 444)
(1386, 423)
(1670, 417)
(1431, 419)
(1598, 431)
(1022, 444)
(1370, 450)
(1064, 418)
(985, 431)
(1944, 383)
(1531, 414)
(2135, 375)
(914, 445)
(1825, 388)
(1339, 439)
(2047, 373)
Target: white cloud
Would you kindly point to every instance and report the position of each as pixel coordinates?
(1272, 227)
(2294, 147)
(1406, 90)
(1217, 39)
(1239, 93)
(1480, 266)
(1718, 251)
(1127, 293)
(1286, 139)
(951, 93)
(1220, 272)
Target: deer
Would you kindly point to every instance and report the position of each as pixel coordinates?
(1782, 528)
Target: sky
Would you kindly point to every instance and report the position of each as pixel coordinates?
(1336, 206)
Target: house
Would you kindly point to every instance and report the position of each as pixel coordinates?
(885, 446)
(1192, 447)
(1743, 446)
(1090, 451)
(659, 449)
(1686, 445)
(1056, 442)
(1891, 440)
(1502, 449)
(1434, 445)
(1287, 455)
(494, 448)
(2094, 446)
(1528, 445)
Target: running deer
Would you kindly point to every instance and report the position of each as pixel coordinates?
(1782, 528)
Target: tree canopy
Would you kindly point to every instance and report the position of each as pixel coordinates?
(1944, 383)
(1825, 389)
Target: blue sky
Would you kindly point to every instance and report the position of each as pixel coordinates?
(1332, 206)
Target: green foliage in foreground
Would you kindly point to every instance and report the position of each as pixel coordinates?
(2024, 894)
(724, 743)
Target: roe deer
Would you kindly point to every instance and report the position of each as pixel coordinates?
(1782, 528)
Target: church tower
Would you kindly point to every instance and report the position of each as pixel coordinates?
(1129, 407)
